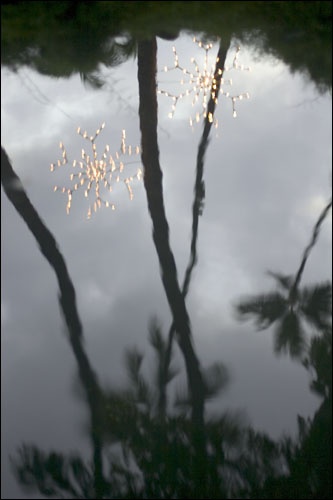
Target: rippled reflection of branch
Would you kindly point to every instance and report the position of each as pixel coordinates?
(98, 175)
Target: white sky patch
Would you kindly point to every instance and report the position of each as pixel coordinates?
(4, 313)
(314, 207)
(217, 282)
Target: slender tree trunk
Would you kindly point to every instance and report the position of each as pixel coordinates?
(147, 51)
(67, 299)
(199, 189)
(295, 286)
(199, 194)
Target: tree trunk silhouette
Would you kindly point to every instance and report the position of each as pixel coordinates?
(199, 195)
(315, 233)
(67, 299)
(147, 51)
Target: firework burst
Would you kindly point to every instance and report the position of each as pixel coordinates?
(200, 83)
(98, 175)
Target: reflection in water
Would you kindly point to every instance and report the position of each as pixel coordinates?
(203, 84)
(98, 174)
(146, 442)
(310, 459)
(67, 300)
(313, 303)
(199, 187)
(84, 35)
(45, 239)
(153, 185)
(150, 457)
(155, 456)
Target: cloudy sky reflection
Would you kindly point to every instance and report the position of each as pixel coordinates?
(267, 177)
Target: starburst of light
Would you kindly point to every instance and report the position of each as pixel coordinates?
(98, 175)
(201, 84)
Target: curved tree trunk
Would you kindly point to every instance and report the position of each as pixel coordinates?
(67, 299)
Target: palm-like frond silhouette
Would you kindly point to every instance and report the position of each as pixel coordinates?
(311, 303)
(291, 305)
(154, 456)
(54, 474)
(319, 362)
(161, 446)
